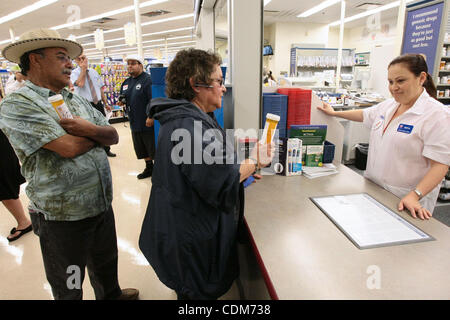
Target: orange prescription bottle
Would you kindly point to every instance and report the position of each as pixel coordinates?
(270, 127)
(60, 107)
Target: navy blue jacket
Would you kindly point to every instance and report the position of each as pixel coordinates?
(189, 233)
(138, 92)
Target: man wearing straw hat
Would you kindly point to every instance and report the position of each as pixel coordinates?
(68, 174)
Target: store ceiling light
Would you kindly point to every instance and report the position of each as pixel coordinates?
(107, 14)
(167, 31)
(129, 8)
(318, 8)
(147, 34)
(35, 6)
(184, 16)
(368, 13)
(156, 46)
(149, 41)
(144, 35)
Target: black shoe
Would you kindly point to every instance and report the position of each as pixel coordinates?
(145, 174)
(110, 154)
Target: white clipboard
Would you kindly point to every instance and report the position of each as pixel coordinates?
(367, 222)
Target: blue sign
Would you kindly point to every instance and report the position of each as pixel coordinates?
(405, 128)
(422, 32)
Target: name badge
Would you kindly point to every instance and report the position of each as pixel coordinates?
(405, 128)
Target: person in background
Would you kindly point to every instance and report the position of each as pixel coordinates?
(10, 181)
(88, 84)
(409, 144)
(137, 90)
(189, 233)
(68, 173)
(15, 81)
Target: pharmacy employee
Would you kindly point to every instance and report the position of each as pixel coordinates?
(409, 145)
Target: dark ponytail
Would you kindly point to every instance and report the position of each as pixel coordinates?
(430, 87)
(416, 64)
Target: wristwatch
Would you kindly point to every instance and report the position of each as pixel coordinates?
(419, 194)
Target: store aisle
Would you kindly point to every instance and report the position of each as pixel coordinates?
(21, 268)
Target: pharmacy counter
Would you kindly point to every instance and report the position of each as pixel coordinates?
(303, 255)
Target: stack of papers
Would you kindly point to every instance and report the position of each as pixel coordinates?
(315, 172)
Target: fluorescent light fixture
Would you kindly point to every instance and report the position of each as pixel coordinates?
(147, 34)
(184, 16)
(123, 45)
(155, 46)
(107, 14)
(145, 4)
(167, 31)
(149, 41)
(368, 13)
(35, 6)
(318, 8)
(266, 2)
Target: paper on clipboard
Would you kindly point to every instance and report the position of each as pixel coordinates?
(367, 222)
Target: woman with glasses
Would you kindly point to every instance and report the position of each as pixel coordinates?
(189, 234)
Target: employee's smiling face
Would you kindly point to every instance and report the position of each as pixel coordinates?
(404, 85)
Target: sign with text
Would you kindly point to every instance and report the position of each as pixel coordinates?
(422, 32)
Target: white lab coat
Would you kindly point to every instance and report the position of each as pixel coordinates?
(399, 159)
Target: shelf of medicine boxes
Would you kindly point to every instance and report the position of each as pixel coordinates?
(320, 59)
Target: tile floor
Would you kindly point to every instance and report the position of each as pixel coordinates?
(21, 268)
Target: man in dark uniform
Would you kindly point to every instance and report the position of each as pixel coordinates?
(137, 90)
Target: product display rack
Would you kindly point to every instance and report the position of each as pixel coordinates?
(442, 75)
(113, 75)
(4, 75)
(315, 66)
(444, 194)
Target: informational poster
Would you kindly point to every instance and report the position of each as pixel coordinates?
(422, 29)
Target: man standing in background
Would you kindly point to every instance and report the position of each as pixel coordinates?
(137, 91)
(89, 85)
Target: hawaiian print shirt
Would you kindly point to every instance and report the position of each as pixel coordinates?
(63, 189)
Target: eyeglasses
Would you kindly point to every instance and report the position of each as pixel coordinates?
(63, 58)
(221, 82)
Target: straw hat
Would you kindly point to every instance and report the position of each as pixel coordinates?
(38, 39)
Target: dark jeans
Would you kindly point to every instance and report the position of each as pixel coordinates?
(72, 245)
(100, 107)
